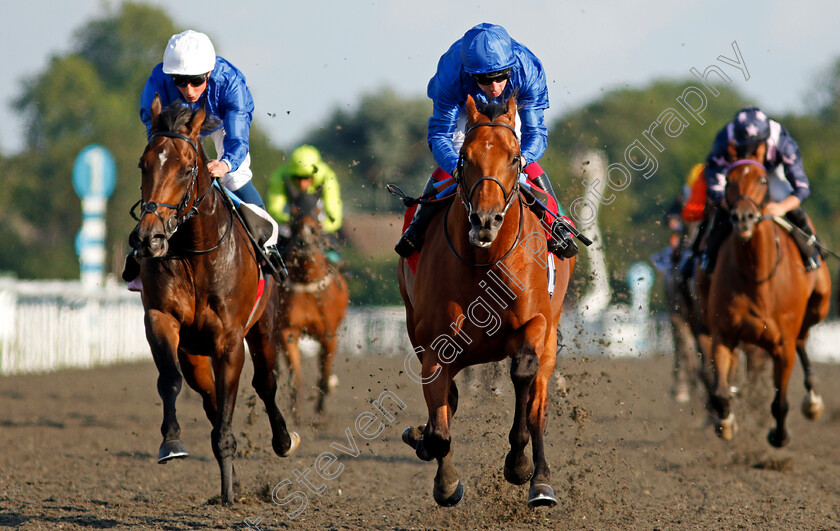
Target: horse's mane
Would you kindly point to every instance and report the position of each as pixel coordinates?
(494, 109)
(177, 115)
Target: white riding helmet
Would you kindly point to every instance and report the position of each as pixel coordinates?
(189, 53)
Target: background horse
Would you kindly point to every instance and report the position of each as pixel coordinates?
(480, 294)
(761, 294)
(314, 298)
(202, 291)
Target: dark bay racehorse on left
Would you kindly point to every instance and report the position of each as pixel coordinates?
(203, 292)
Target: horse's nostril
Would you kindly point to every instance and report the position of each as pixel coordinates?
(498, 218)
(475, 219)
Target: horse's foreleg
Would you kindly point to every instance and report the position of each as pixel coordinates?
(263, 348)
(682, 357)
(289, 338)
(812, 404)
(722, 360)
(328, 346)
(436, 437)
(523, 370)
(162, 335)
(783, 360)
(227, 369)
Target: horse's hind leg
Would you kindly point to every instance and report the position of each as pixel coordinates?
(261, 343)
(198, 372)
(162, 334)
(812, 404)
(783, 361)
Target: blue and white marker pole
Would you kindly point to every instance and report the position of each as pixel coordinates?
(94, 178)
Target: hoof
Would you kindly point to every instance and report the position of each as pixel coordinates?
(518, 472)
(450, 500)
(726, 428)
(681, 394)
(413, 436)
(294, 445)
(812, 406)
(776, 439)
(171, 450)
(332, 382)
(541, 496)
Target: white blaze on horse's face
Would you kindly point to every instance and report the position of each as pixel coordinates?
(162, 157)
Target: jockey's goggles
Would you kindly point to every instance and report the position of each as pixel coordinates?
(183, 81)
(492, 77)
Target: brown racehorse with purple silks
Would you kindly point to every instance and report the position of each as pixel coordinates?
(314, 298)
(759, 293)
(480, 295)
(201, 284)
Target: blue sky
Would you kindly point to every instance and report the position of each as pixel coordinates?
(304, 59)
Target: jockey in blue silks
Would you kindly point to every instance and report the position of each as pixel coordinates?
(192, 75)
(752, 134)
(491, 67)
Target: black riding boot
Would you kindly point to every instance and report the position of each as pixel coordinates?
(412, 239)
(806, 242)
(562, 243)
(721, 227)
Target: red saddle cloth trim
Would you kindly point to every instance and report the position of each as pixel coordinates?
(260, 291)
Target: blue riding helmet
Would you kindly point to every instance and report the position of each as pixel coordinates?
(486, 48)
(750, 126)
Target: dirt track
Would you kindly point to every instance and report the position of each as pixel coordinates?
(79, 447)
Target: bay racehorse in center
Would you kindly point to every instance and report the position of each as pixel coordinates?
(203, 292)
(314, 298)
(760, 293)
(480, 294)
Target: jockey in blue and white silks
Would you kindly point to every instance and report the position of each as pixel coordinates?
(752, 134)
(193, 76)
(487, 64)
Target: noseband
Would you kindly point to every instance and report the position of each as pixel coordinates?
(459, 177)
(151, 207)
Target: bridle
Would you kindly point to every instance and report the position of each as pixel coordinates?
(467, 201)
(459, 176)
(759, 207)
(182, 213)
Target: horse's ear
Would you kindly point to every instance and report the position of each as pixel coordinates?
(511, 110)
(155, 110)
(761, 151)
(196, 121)
(293, 191)
(732, 151)
(472, 111)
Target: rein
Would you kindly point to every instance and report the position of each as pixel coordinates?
(151, 207)
(467, 202)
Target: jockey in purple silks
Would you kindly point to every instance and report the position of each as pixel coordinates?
(491, 67)
(752, 134)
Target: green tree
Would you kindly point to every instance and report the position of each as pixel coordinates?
(382, 141)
